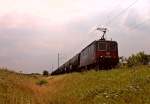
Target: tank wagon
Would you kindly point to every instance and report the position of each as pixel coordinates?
(100, 54)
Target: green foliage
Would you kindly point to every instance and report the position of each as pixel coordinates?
(122, 62)
(138, 59)
(12, 89)
(42, 82)
(45, 73)
(125, 86)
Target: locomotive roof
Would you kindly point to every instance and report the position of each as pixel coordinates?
(97, 41)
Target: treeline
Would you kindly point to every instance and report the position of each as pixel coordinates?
(136, 59)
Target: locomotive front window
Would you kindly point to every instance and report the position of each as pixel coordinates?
(113, 46)
(101, 46)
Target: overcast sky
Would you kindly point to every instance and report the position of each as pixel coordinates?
(32, 32)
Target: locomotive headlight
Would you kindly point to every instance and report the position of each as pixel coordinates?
(107, 53)
(101, 56)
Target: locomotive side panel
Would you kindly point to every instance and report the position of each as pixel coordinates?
(87, 56)
(74, 60)
(74, 63)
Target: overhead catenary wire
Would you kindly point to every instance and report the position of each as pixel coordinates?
(107, 23)
(122, 12)
(139, 24)
(115, 17)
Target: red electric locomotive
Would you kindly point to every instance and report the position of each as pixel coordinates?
(100, 54)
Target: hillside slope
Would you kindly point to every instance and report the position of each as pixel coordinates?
(118, 86)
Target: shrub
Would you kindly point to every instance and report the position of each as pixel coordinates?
(122, 61)
(45, 73)
(42, 82)
(138, 59)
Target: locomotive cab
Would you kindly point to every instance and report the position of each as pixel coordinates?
(106, 53)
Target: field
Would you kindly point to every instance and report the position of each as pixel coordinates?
(117, 86)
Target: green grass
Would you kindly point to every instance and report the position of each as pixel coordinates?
(117, 86)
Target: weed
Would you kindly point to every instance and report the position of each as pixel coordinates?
(41, 82)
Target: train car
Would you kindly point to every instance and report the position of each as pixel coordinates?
(101, 54)
(74, 63)
(66, 68)
(59, 70)
(71, 65)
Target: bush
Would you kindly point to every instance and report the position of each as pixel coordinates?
(138, 59)
(122, 61)
(45, 73)
(42, 82)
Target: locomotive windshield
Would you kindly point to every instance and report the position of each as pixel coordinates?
(101, 46)
(107, 46)
(113, 46)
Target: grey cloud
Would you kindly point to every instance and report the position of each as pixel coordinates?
(33, 50)
(134, 21)
(20, 50)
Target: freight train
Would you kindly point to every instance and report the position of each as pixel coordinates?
(100, 54)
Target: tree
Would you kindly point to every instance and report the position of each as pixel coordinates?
(45, 73)
(138, 59)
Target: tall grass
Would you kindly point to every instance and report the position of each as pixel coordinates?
(117, 86)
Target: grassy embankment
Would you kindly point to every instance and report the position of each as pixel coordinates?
(118, 86)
